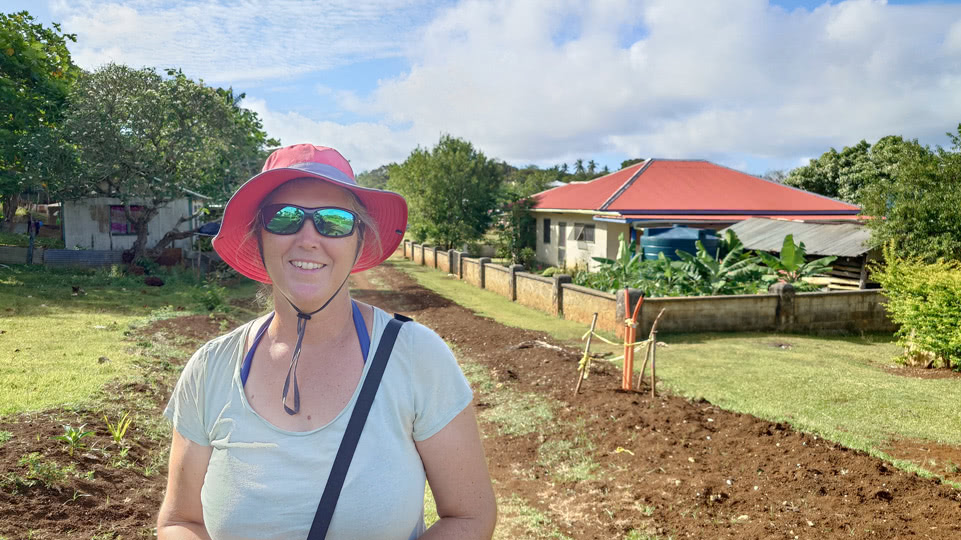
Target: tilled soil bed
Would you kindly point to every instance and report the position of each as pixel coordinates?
(660, 467)
(671, 468)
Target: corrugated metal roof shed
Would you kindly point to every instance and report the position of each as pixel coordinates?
(840, 239)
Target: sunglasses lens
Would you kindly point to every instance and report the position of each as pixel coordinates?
(334, 222)
(287, 220)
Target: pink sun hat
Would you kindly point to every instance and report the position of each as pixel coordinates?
(239, 249)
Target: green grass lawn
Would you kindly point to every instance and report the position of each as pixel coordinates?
(497, 307)
(23, 240)
(832, 386)
(51, 342)
(836, 387)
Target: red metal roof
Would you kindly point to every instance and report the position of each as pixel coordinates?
(735, 217)
(690, 189)
(586, 195)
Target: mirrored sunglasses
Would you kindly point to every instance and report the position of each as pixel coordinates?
(329, 221)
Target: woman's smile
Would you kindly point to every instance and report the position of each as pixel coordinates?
(307, 266)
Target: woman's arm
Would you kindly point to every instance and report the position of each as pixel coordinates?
(181, 514)
(458, 476)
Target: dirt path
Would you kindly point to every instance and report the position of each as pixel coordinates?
(633, 466)
(607, 465)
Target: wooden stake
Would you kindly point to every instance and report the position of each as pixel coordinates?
(587, 352)
(628, 360)
(647, 357)
(653, 361)
(647, 354)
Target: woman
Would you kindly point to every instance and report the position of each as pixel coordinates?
(259, 413)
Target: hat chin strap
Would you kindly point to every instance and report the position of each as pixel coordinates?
(302, 319)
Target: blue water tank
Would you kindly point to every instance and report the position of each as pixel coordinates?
(668, 240)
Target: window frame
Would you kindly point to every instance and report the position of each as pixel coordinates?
(546, 233)
(127, 227)
(581, 232)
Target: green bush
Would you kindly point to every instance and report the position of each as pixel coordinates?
(925, 299)
(473, 248)
(212, 297)
(527, 257)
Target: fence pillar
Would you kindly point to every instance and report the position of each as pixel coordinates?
(450, 262)
(460, 265)
(514, 269)
(557, 294)
(435, 256)
(483, 261)
(422, 260)
(408, 254)
(785, 315)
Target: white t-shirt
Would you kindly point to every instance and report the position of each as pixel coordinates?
(265, 483)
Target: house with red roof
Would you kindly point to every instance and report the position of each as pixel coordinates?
(581, 220)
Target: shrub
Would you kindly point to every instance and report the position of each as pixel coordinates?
(212, 297)
(473, 249)
(551, 271)
(527, 257)
(925, 299)
(149, 266)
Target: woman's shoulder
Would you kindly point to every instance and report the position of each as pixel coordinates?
(414, 335)
(227, 345)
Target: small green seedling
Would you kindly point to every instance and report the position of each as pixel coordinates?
(119, 429)
(73, 437)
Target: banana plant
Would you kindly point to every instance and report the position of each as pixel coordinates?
(615, 274)
(735, 273)
(792, 266)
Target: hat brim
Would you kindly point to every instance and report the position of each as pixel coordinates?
(238, 248)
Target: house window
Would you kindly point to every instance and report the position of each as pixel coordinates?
(583, 233)
(118, 220)
(547, 231)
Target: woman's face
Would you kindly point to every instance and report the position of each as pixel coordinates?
(329, 260)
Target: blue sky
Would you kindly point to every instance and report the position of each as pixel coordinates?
(751, 84)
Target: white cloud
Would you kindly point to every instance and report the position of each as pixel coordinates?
(545, 81)
(708, 79)
(227, 42)
(366, 145)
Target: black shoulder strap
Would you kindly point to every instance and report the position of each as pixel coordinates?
(335, 482)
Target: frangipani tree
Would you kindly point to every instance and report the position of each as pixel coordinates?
(142, 138)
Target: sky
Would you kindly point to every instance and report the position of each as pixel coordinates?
(755, 85)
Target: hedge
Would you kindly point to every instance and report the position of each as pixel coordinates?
(925, 299)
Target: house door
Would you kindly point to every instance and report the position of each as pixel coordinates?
(561, 244)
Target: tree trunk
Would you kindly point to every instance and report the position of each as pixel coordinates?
(176, 234)
(140, 224)
(173, 236)
(31, 232)
(10, 204)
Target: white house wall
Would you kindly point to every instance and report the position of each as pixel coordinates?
(577, 254)
(86, 224)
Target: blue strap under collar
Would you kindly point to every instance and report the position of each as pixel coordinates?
(359, 325)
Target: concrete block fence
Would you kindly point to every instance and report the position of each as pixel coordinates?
(781, 310)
